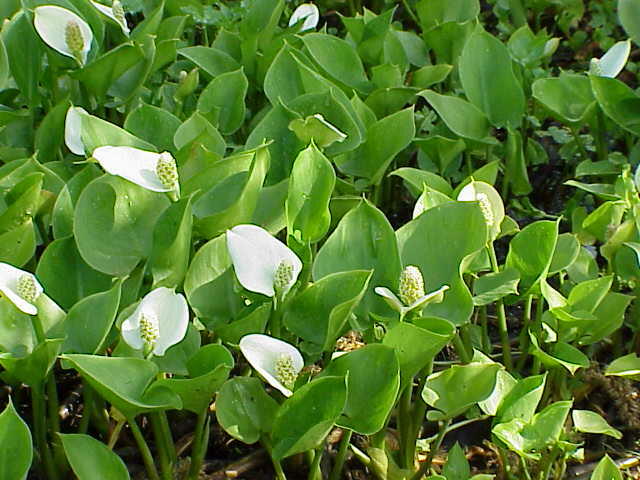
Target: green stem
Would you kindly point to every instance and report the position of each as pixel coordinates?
(518, 14)
(115, 434)
(524, 334)
(405, 426)
(315, 473)
(433, 449)
(409, 10)
(525, 469)
(200, 443)
(87, 400)
(280, 475)
(147, 458)
(166, 468)
(461, 349)
(601, 142)
(484, 325)
(579, 144)
(342, 455)
(276, 317)
(503, 327)
(40, 430)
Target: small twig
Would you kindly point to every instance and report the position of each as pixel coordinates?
(242, 466)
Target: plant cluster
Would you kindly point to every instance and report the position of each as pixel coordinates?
(297, 223)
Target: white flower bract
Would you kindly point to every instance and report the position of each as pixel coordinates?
(411, 292)
(278, 362)
(73, 130)
(309, 12)
(20, 288)
(147, 169)
(115, 13)
(612, 62)
(159, 322)
(64, 31)
(261, 261)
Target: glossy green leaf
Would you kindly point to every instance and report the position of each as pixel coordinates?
(89, 321)
(435, 12)
(456, 389)
(88, 456)
(18, 37)
(457, 466)
(169, 258)
(531, 252)
(126, 383)
(462, 118)
(310, 188)
(373, 158)
(618, 101)
(338, 58)
(590, 422)
(629, 15)
(544, 430)
(209, 284)
(97, 133)
(244, 409)
(234, 199)
(211, 60)
(359, 227)
(457, 228)
(488, 80)
(494, 286)
(113, 224)
(154, 125)
(566, 252)
(294, 430)
(606, 470)
(320, 313)
(208, 370)
(416, 345)
(569, 96)
(65, 276)
(625, 366)
(224, 100)
(372, 385)
(32, 367)
(16, 450)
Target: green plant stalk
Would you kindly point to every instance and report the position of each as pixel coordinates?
(419, 407)
(200, 443)
(410, 11)
(525, 469)
(579, 144)
(503, 328)
(275, 321)
(547, 464)
(40, 430)
(433, 449)
(405, 426)
(518, 13)
(87, 400)
(115, 434)
(341, 456)
(601, 143)
(524, 333)
(315, 473)
(166, 467)
(147, 458)
(277, 466)
(461, 348)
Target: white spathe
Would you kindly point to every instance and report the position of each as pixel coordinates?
(397, 304)
(311, 16)
(52, 21)
(264, 352)
(109, 12)
(137, 166)
(10, 278)
(73, 130)
(612, 62)
(256, 256)
(169, 313)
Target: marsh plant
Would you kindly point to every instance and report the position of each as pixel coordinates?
(339, 233)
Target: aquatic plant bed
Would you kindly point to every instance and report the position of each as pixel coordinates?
(353, 240)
